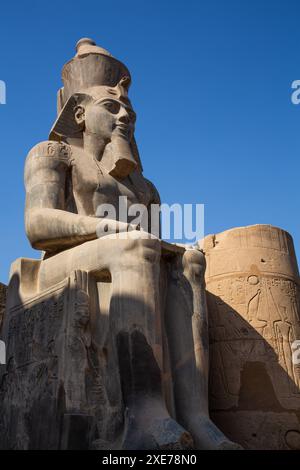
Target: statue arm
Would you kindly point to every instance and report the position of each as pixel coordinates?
(154, 200)
(49, 226)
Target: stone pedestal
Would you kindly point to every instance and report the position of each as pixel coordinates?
(253, 301)
(43, 399)
(107, 335)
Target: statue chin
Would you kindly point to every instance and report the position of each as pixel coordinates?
(118, 158)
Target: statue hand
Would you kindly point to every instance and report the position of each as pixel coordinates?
(108, 227)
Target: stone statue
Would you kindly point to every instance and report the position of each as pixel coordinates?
(107, 337)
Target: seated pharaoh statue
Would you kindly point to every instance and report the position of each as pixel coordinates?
(107, 334)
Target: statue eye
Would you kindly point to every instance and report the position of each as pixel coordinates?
(112, 106)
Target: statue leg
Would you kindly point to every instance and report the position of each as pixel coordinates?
(135, 319)
(187, 331)
(134, 332)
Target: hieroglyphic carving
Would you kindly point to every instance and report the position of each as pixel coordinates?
(110, 358)
(77, 342)
(253, 299)
(33, 327)
(254, 319)
(30, 386)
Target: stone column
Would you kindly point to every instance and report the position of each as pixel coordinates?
(252, 282)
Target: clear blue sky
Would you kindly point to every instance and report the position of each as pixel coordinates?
(211, 87)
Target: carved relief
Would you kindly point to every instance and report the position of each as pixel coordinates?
(254, 317)
(47, 363)
(107, 337)
(266, 327)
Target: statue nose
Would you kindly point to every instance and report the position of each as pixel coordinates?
(123, 116)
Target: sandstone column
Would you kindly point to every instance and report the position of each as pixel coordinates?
(253, 301)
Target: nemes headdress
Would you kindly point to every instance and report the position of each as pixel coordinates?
(92, 72)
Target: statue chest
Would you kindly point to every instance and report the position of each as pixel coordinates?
(93, 187)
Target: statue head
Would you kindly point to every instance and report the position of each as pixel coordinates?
(94, 100)
(100, 110)
(105, 112)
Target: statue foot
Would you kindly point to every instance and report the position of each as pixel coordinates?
(155, 433)
(207, 436)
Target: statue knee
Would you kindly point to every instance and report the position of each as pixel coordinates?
(194, 264)
(137, 251)
(145, 250)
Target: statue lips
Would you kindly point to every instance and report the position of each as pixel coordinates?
(124, 130)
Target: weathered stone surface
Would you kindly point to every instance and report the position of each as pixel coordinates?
(254, 317)
(43, 393)
(107, 338)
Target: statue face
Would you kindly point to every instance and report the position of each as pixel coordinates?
(106, 117)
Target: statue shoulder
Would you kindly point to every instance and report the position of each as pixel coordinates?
(155, 197)
(51, 150)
